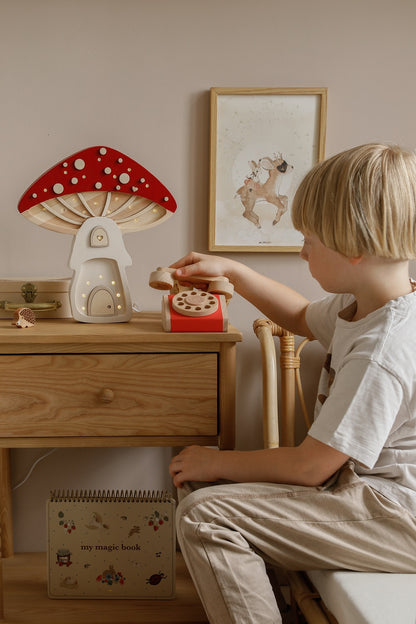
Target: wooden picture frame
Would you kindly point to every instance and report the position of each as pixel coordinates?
(262, 143)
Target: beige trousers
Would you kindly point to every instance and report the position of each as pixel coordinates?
(227, 532)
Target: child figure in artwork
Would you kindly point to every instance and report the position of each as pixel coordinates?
(345, 498)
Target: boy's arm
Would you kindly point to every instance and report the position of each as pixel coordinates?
(278, 302)
(311, 464)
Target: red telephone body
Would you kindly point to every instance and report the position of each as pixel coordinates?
(189, 309)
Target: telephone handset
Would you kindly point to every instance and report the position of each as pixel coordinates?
(189, 309)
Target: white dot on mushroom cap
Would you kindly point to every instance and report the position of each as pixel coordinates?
(142, 180)
(65, 164)
(79, 164)
(107, 170)
(124, 178)
(119, 160)
(58, 188)
(34, 195)
(118, 188)
(103, 151)
(98, 185)
(74, 180)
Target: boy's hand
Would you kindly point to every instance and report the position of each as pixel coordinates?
(200, 264)
(195, 463)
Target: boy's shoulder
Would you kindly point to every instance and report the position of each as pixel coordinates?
(395, 321)
(322, 315)
(387, 337)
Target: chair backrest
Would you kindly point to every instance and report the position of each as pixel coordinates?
(266, 331)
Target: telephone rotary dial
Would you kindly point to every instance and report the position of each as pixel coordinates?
(188, 309)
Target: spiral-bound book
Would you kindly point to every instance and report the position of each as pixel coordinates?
(111, 545)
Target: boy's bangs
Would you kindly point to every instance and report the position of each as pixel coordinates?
(308, 202)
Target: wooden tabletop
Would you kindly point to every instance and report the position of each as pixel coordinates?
(144, 327)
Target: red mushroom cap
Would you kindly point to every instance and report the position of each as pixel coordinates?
(100, 170)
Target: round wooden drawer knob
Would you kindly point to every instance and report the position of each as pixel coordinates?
(106, 395)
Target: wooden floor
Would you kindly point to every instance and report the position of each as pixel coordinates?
(26, 600)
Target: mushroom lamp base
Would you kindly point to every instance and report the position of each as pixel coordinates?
(99, 291)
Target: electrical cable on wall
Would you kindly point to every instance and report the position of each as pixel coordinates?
(33, 466)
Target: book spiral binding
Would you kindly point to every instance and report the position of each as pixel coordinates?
(100, 496)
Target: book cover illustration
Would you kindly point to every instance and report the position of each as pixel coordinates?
(111, 545)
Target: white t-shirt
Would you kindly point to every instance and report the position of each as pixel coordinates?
(366, 406)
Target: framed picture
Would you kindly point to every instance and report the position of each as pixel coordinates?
(263, 142)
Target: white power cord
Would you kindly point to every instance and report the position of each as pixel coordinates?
(33, 466)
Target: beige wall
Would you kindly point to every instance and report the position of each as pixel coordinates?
(135, 75)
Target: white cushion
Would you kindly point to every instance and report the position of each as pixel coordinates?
(367, 598)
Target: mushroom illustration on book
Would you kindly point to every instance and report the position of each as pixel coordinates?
(97, 195)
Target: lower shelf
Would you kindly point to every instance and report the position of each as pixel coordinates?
(26, 600)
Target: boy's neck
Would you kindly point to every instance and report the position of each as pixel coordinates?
(378, 281)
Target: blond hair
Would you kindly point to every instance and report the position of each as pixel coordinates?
(361, 202)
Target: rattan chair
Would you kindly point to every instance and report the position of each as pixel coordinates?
(303, 595)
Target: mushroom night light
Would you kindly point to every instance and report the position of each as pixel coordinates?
(97, 195)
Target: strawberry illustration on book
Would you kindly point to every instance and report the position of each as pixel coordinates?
(157, 519)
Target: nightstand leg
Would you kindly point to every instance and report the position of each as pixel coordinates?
(1, 591)
(227, 395)
(6, 527)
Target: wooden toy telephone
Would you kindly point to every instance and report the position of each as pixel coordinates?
(188, 309)
(96, 195)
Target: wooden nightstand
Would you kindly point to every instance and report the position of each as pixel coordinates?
(69, 384)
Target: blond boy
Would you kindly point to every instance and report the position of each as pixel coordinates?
(346, 496)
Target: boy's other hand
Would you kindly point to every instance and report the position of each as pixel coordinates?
(194, 463)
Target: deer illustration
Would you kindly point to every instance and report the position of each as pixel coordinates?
(254, 190)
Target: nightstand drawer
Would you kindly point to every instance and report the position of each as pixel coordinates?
(122, 394)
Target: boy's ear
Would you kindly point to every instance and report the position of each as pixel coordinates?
(355, 260)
